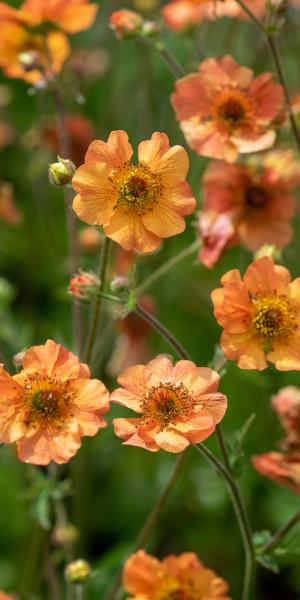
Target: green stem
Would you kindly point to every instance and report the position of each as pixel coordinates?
(164, 332)
(165, 268)
(269, 37)
(277, 537)
(149, 523)
(173, 64)
(242, 519)
(98, 303)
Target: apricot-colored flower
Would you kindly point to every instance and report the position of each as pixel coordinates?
(182, 14)
(80, 131)
(255, 197)
(260, 316)
(178, 405)
(70, 15)
(4, 596)
(224, 111)
(282, 468)
(287, 405)
(50, 404)
(182, 576)
(24, 55)
(137, 204)
(9, 212)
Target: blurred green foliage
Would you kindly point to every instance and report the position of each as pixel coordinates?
(114, 487)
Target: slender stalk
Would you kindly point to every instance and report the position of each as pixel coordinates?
(269, 37)
(158, 326)
(238, 505)
(150, 522)
(277, 537)
(173, 64)
(166, 267)
(98, 303)
(223, 448)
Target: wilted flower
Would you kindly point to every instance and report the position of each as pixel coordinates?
(175, 577)
(78, 571)
(50, 404)
(260, 316)
(84, 286)
(61, 172)
(137, 204)
(177, 405)
(255, 197)
(282, 468)
(287, 405)
(223, 111)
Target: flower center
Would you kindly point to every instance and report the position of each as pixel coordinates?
(231, 107)
(137, 188)
(273, 318)
(256, 197)
(174, 590)
(164, 403)
(46, 400)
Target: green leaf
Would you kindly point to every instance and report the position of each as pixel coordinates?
(268, 562)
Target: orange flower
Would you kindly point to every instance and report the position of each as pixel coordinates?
(287, 405)
(282, 468)
(90, 240)
(182, 14)
(137, 204)
(260, 315)
(23, 54)
(178, 405)
(4, 596)
(183, 576)
(256, 198)
(70, 15)
(48, 406)
(80, 131)
(223, 111)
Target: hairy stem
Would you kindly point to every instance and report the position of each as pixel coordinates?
(239, 509)
(98, 303)
(164, 332)
(150, 522)
(270, 40)
(277, 537)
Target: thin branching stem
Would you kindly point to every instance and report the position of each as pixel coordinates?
(277, 537)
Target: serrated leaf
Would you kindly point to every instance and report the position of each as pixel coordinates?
(268, 562)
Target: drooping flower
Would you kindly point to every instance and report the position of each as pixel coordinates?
(70, 16)
(223, 111)
(175, 577)
(177, 405)
(50, 404)
(260, 316)
(23, 54)
(137, 204)
(287, 405)
(256, 198)
(282, 468)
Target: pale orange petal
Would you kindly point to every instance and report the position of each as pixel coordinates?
(127, 229)
(171, 441)
(116, 152)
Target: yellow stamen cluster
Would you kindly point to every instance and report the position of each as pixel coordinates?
(45, 400)
(165, 403)
(174, 590)
(273, 317)
(137, 188)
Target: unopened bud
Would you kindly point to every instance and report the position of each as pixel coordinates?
(18, 359)
(64, 534)
(30, 60)
(77, 571)
(126, 23)
(61, 172)
(84, 286)
(269, 250)
(120, 284)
